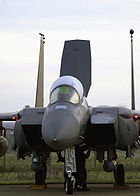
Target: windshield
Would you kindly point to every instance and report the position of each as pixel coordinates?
(64, 93)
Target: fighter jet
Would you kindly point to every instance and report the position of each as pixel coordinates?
(68, 120)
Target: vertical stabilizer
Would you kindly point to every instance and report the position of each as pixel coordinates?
(76, 62)
(40, 79)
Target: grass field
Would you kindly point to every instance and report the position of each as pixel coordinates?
(19, 171)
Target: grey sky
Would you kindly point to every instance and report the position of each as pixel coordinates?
(106, 23)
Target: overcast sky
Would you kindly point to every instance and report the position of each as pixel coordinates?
(106, 23)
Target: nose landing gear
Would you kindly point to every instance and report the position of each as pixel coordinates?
(70, 168)
(70, 183)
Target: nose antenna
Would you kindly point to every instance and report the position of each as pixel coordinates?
(132, 73)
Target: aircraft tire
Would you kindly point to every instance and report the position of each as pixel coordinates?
(119, 174)
(69, 186)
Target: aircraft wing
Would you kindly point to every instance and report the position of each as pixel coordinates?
(9, 125)
(8, 116)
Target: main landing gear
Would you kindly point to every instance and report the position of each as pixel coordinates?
(118, 169)
(40, 169)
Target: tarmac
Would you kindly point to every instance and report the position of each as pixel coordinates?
(58, 189)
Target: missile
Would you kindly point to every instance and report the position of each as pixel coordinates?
(3, 146)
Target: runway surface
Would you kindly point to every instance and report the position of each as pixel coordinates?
(57, 189)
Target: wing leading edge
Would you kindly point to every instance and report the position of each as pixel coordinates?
(8, 116)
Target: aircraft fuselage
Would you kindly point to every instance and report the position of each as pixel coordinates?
(63, 124)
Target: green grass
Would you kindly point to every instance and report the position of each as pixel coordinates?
(19, 172)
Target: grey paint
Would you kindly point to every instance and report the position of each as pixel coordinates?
(102, 119)
(62, 127)
(19, 136)
(32, 116)
(126, 131)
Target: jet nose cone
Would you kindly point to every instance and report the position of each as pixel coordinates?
(60, 129)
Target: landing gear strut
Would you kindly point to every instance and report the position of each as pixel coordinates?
(39, 167)
(70, 168)
(69, 185)
(112, 165)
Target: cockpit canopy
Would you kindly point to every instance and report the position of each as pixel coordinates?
(64, 93)
(66, 88)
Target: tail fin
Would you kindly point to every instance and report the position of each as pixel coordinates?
(40, 80)
(76, 61)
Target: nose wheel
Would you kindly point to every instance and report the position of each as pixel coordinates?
(69, 185)
(118, 169)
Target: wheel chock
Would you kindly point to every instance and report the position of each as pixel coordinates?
(38, 187)
(121, 187)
